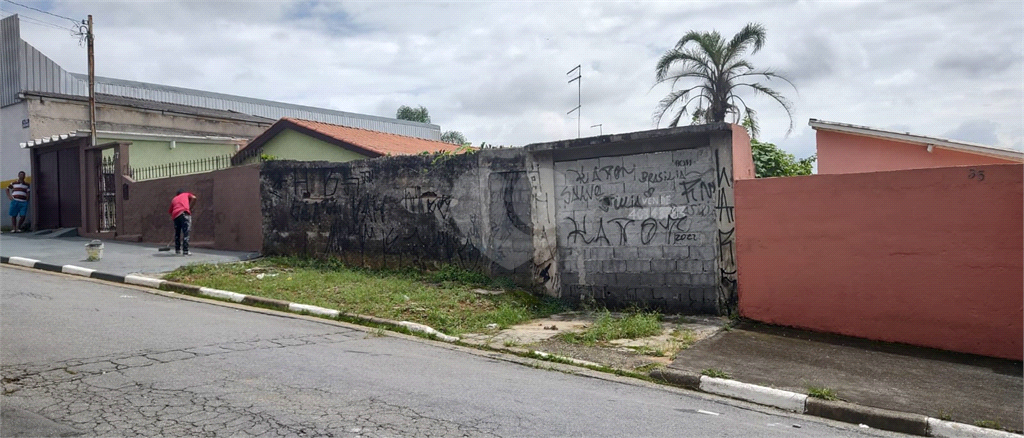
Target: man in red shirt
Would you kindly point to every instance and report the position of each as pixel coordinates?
(181, 212)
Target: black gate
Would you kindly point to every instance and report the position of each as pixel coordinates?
(106, 194)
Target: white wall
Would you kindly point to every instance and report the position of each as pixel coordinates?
(13, 158)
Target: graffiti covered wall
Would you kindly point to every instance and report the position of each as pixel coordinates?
(403, 211)
(640, 218)
(637, 228)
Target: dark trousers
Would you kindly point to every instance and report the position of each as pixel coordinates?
(182, 229)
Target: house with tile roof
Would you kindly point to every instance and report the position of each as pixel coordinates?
(308, 140)
(46, 128)
(846, 148)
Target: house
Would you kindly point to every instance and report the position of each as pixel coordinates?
(846, 148)
(45, 128)
(308, 140)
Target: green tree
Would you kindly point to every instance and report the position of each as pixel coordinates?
(770, 161)
(454, 137)
(720, 71)
(413, 114)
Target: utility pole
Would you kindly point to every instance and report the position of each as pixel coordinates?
(599, 127)
(92, 86)
(579, 96)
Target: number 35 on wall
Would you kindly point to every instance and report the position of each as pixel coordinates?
(976, 174)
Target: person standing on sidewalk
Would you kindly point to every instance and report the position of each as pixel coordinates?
(181, 212)
(17, 193)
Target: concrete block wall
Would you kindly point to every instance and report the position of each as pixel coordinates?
(633, 219)
(639, 229)
(471, 210)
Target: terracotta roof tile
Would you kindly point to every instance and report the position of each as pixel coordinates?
(379, 142)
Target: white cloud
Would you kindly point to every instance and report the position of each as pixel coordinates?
(496, 70)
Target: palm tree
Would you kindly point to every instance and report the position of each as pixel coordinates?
(720, 71)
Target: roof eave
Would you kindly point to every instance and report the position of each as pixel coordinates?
(940, 143)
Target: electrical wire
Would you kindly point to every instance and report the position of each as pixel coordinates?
(45, 12)
(37, 21)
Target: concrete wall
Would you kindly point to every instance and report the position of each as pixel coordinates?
(840, 152)
(226, 214)
(51, 116)
(929, 257)
(471, 210)
(640, 218)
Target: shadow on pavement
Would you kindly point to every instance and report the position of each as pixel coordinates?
(941, 384)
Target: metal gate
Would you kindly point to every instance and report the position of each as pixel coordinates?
(106, 194)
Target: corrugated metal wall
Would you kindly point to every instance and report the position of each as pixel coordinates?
(10, 84)
(26, 69)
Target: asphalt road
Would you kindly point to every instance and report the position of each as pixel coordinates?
(84, 358)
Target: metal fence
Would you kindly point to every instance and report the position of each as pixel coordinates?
(180, 168)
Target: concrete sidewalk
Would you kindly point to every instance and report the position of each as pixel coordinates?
(119, 258)
(943, 385)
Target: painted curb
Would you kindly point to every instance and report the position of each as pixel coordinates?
(76, 270)
(265, 302)
(565, 359)
(686, 380)
(139, 280)
(21, 261)
(222, 294)
(313, 310)
(950, 429)
(183, 288)
(412, 326)
(48, 267)
(108, 277)
(885, 419)
(762, 395)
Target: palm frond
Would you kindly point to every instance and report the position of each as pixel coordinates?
(719, 68)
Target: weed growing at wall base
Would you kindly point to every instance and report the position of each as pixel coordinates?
(443, 300)
(822, 393)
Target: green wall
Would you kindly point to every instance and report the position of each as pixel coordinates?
(145, 153)
(292, 145)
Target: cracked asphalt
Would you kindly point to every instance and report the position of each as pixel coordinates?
(84, 358)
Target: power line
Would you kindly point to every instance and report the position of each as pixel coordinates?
(45, 12)
(38, 22)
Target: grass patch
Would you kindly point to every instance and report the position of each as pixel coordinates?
(606, 328)
(443, 299)
(989, 424)
(822, 393)
(716, 373)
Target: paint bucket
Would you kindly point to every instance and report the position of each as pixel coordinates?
(94, 251)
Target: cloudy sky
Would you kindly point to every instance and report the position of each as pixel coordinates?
(496, 71)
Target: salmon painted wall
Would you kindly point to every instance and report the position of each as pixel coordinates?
(929, 257)
(742, 155)
(847, 153)
(226, 214)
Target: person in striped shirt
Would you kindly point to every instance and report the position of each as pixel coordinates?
(17, 192)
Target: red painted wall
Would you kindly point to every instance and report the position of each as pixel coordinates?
(929, 257)
(840, 152)
(226, 215)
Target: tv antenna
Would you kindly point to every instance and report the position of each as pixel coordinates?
(579, 96)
